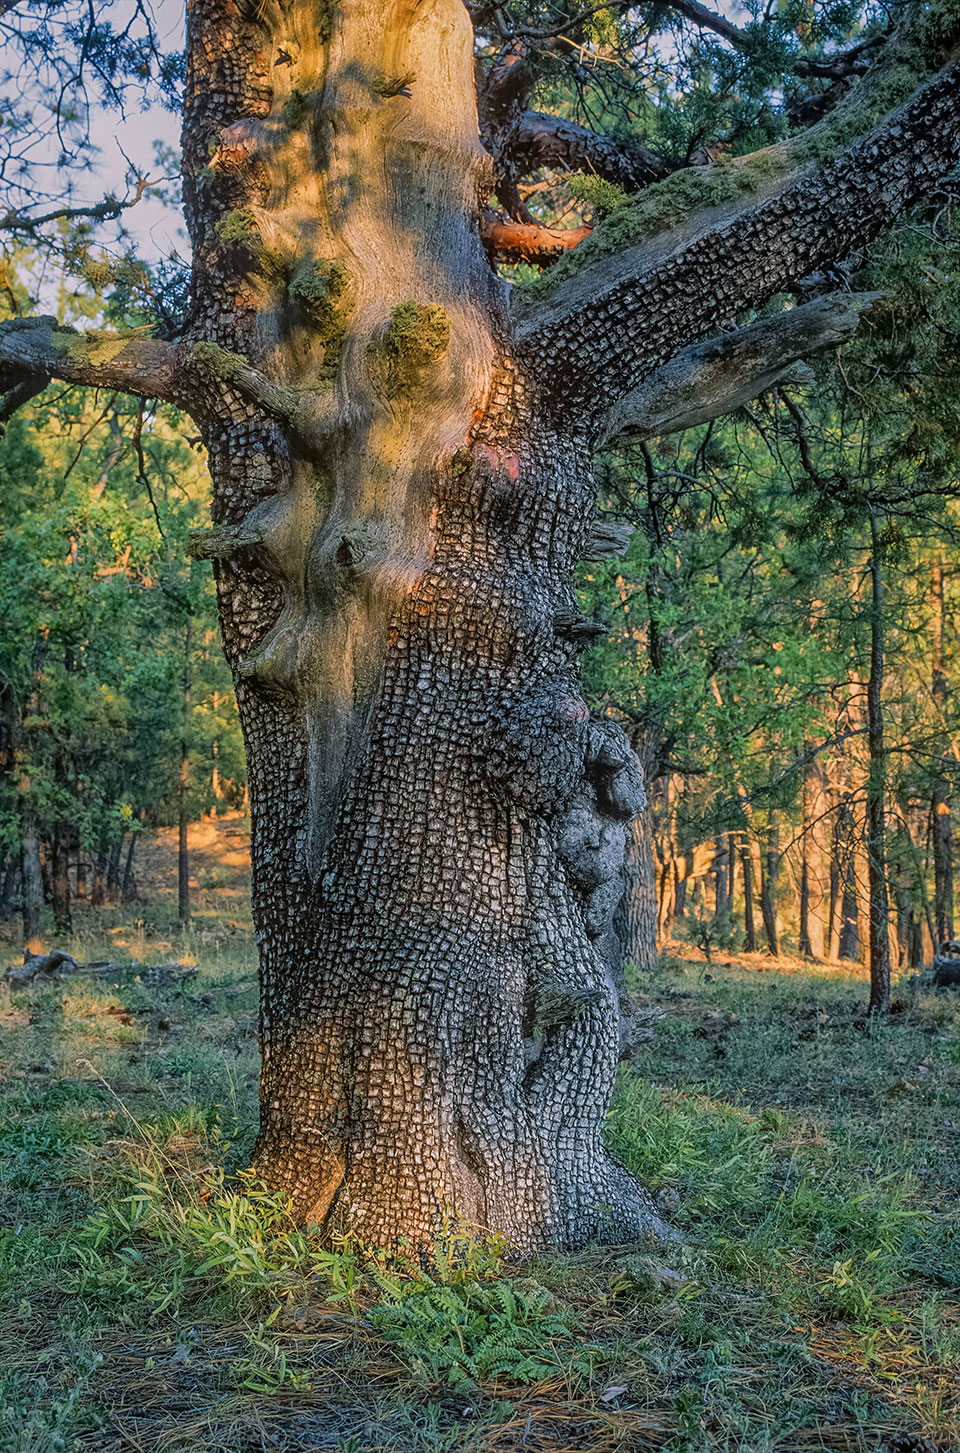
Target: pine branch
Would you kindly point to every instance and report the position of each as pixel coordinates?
(619, 317)
(34, 348)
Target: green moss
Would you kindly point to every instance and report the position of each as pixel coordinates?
(296, 109)
(93, 349)
(461, 462)
(418, 335)
(239, 228)
(321, 289)
(325, 12)
(597, 193)
(660, 208)
(219, 361)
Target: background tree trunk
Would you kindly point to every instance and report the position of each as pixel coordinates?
(940, 806)
(31, 871)
(813, 873)
(60, 877)
(769, 866)
(879, 907)
(636, 915)
(183, 801)
(749, 927)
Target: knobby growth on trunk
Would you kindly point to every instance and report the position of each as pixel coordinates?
(402, 488)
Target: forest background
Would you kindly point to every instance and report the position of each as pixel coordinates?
(778, 638)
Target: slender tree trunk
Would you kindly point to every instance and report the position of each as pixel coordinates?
(720, 878)
(11, 888)
(31, 871)
(216, 791)
(128, 886)
(31, 868)
(749, 927)
(769, 870)
(876, 790)
(98, 895)
(60, 877)
(940, 806)
(814, 931)
(113, 866)
(183, 796)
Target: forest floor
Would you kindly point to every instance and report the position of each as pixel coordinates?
(153, 1299)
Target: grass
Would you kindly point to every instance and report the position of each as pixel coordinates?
(153, 1297)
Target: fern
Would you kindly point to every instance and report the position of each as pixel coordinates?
(472, 1332)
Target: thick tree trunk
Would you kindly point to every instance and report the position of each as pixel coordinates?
(402, 489)
(438, 829)
(940, 806)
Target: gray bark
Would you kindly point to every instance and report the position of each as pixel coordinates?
(635, 921)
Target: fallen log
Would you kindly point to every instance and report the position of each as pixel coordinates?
(60, 965)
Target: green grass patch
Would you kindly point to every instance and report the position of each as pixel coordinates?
(152, 1291)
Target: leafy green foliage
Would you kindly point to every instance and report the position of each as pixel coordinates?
(107, 626)
(479, 1332)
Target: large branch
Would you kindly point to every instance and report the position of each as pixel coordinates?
(713, 378)
(40, 348)
(607, 327)
(541, 140)
(199, 377)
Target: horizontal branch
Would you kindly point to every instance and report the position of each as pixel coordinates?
(617, 318)
(713, 378)
(19, 220)
(191, 375)
(131, 362)
(707, 19)
(528, 241)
